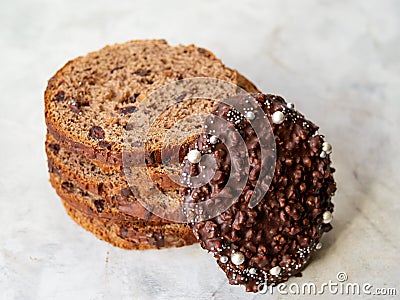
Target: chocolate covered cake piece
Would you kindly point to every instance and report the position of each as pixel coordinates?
(265, 244)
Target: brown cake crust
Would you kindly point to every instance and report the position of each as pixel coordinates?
(97, 178)
(106, 184)
(126, 235)
(98, 206)
(120, 229)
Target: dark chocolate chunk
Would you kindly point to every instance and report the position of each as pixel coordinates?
(116, 69)
(73, 106)
(60, 96)
(142, 72)
(159, 239)
(128, 109)
(99, 204)
(55, 148)
(134, 97)
(106, 144)
(97, 133)
(68, 187)
(203, 51)
(77, 105)
(52, 168)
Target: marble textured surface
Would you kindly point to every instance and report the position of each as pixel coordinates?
(338, 61)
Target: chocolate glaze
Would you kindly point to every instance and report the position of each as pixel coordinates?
(280, 232)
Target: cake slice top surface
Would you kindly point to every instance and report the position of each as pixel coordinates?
(90, 100)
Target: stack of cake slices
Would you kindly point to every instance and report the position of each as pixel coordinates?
(88, 104)
(89, 107)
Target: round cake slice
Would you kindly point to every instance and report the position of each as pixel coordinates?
(262, 245)
(89, 101)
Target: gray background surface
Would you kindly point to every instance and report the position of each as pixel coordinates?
(338, 61)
